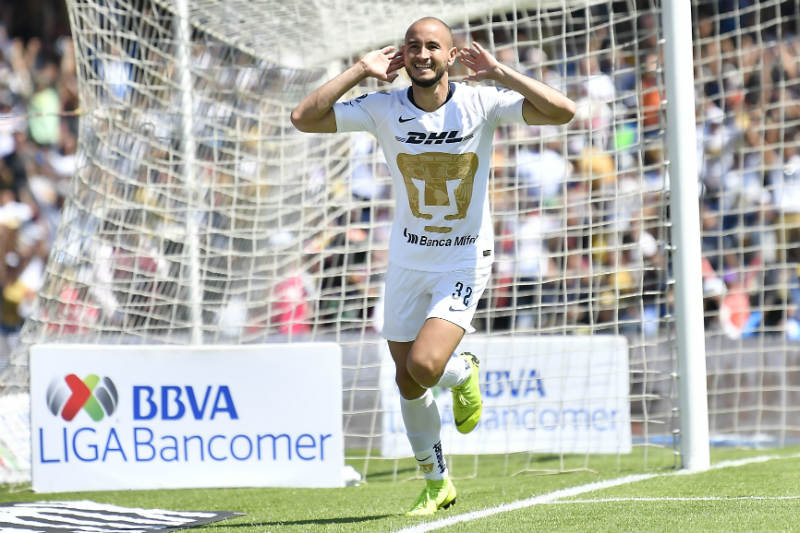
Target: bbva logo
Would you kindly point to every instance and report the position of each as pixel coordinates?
(95, 395)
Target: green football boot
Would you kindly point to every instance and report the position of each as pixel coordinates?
(437, 494)
(467, 404)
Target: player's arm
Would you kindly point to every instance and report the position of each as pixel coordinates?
(542, 104)
(315, 113)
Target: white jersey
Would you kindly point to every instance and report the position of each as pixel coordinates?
(439, 162)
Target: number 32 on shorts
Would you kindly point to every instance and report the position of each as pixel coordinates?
(463, 292)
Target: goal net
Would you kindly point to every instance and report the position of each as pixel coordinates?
(198, 214)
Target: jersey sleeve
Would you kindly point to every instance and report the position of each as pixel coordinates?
(507, 106)
(354, 115)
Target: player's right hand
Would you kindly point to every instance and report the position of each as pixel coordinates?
(383, 64)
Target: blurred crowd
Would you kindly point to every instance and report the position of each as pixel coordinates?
(604, 184)
(579, 210)
(38, 143)
(580, 213)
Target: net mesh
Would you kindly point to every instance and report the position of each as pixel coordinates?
(199, 214)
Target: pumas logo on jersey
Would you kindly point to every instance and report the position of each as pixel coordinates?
(449, 137)
(439, 186)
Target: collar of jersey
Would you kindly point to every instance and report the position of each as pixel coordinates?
(451, 88)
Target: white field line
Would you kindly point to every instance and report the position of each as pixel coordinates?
(554, 496)
(679, 499)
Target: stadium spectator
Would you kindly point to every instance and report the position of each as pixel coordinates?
(45, 106)
(292, 303)
(368, 179)
(785, 183)
(651, 97)
(714, 138)
(543, 170)
(532, 267)
(597, 85)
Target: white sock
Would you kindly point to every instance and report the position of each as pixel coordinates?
(455, 372)
(423, 425)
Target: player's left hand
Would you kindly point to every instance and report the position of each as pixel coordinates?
(481, 62)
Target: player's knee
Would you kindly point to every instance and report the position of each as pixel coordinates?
(424, 370)
(406, 385)
(404, 381)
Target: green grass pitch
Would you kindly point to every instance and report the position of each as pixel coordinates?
(759, 496)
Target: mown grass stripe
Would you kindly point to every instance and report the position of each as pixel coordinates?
(554, 496)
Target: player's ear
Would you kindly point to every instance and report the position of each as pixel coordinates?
(451, 58)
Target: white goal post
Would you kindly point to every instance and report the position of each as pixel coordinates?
(681, 142)
(199, 215)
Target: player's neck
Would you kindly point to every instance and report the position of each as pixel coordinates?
(431, 98)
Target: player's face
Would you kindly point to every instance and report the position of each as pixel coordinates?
(427, 53)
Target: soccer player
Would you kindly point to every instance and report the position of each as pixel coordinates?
(436, 136)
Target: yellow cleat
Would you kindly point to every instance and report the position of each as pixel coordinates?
(467, 404)
(437, 494)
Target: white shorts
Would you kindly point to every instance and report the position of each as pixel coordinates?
(413, 296)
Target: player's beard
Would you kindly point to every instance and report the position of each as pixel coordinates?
(431, 82)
